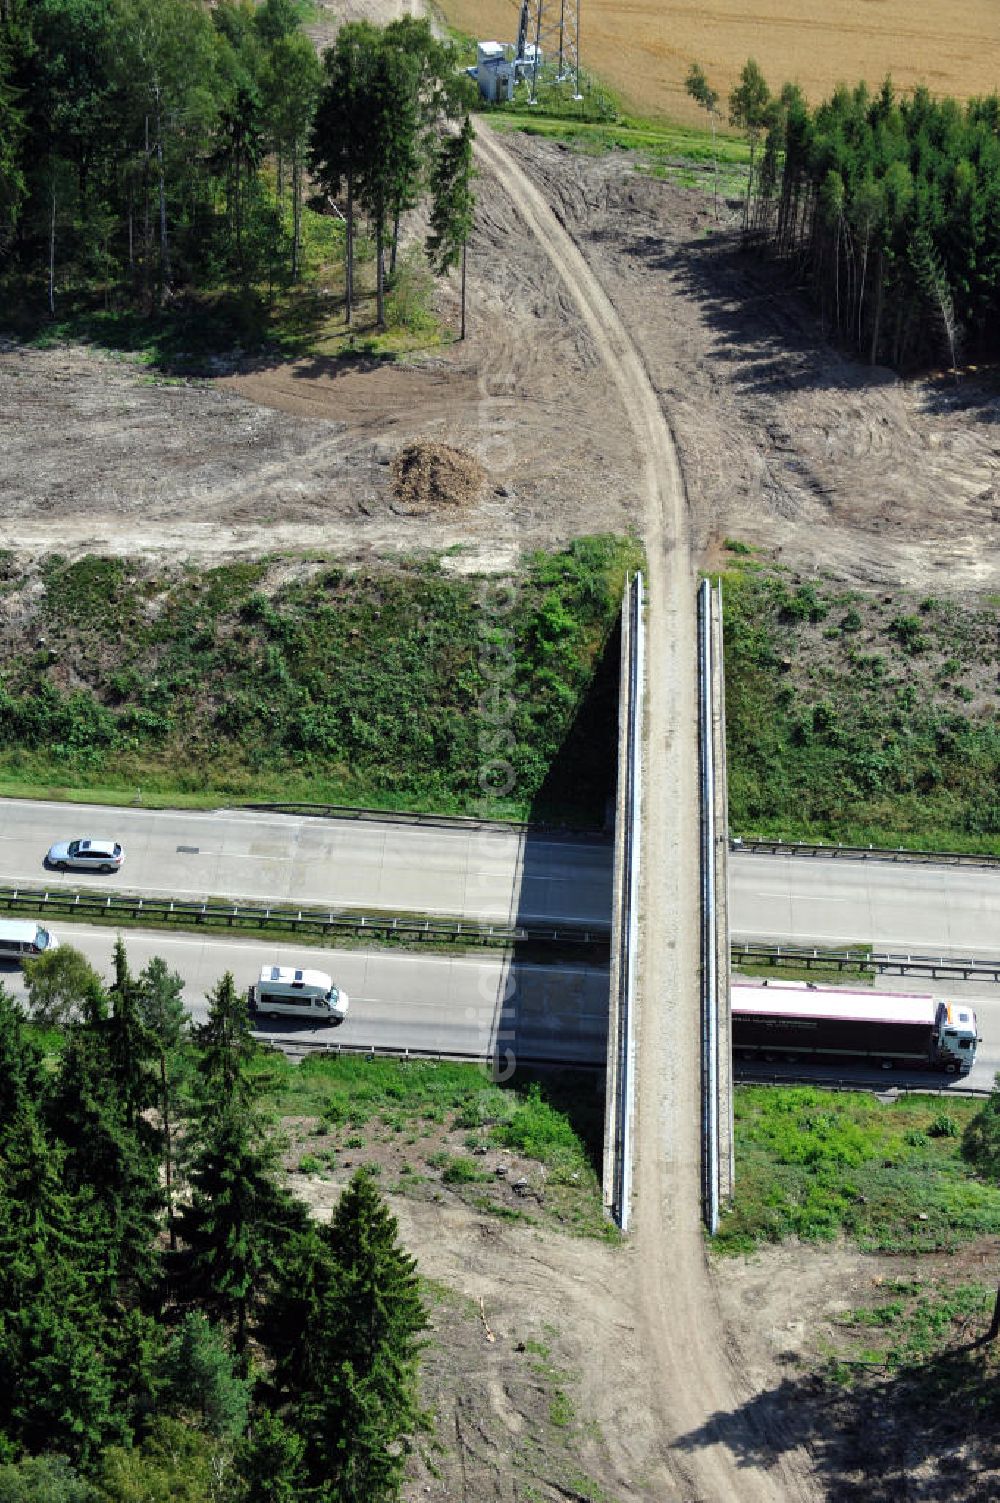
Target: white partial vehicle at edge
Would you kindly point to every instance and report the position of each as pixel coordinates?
(20, 938)
(284, 992)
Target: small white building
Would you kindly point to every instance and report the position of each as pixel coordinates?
(495, 72)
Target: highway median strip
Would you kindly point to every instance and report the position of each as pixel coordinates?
(312, 925)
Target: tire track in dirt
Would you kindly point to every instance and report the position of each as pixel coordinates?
(698, 1390)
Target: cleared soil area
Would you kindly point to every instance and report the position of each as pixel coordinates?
(644, 48)
(783, 441)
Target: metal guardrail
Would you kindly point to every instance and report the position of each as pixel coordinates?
(442, 821)
(235, 916)
(758, 847)
(709, 917)
(619, 1106)
(403, 1052)
(880, 963)
(748, 1074)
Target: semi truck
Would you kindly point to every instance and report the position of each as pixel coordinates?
(796, 1020)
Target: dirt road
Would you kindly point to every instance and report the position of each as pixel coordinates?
(693, 1384)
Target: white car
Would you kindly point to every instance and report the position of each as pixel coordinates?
(86, 856)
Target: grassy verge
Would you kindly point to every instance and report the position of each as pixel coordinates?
(861, 717)
(439, 1130)
(823, 970)
(367, 687)
(815, 1165)
(910, 1321)
(679, 153)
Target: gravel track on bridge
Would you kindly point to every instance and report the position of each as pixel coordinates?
(696, 1381)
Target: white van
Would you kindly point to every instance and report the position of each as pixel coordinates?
(21, 937)
(283, 992)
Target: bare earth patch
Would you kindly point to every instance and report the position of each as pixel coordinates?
(784, 441)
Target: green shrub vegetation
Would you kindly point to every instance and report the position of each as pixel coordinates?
(860, 717)
(815, 1164)
(555, 1119)
(344, 686)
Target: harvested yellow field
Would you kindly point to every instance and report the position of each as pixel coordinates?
(643, 48)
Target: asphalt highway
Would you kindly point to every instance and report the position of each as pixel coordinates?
(493, 874)
(946, 910)
(453, 1004)
(481, 1007)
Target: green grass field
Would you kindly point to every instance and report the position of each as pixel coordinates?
(816, 1164)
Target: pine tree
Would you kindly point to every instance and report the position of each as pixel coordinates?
(438, 93)
(21, 1073)
(238, 1217)
(271, 1465)
(700, 90)
(200, 1382)
(748, 110)
(110, 1164)
(226, 1045)
(353, 1369)
(55, 1390)
(391, 114)
(290, 85)
(164, 1016)
(341, 143)
(453, 205)
(131, 1047)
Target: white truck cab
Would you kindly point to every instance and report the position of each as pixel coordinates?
(284, 992)
(957, 1036)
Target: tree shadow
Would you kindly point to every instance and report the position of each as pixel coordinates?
(762, 324)
(925, 1431)
(766, 322)
(191, 336)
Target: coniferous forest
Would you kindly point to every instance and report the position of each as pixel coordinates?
(173, 1325)
(888, 207)
(151, 149)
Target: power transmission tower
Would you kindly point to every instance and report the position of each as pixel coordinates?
(549, 33)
